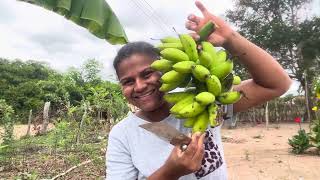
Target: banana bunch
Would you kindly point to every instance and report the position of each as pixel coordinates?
(205, 73)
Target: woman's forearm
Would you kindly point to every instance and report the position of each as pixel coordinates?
(264, 69)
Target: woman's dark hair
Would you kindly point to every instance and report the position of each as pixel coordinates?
(132, 48)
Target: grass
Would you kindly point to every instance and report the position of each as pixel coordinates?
(38, 157)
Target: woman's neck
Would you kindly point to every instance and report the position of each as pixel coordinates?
(157, 115)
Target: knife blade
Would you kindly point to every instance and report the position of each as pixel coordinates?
(168, 133)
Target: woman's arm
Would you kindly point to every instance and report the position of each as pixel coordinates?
(269, 79)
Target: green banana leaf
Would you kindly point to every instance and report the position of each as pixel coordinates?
(94, 15)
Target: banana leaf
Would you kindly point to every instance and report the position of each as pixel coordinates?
(94, 15)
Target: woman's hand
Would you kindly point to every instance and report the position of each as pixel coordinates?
(222, 33)
(188, 161)
(180, 162)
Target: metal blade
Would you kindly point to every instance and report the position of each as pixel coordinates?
(167, 132)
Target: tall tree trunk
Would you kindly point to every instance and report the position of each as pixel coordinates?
(45, 117)
(267, 115)
(29, 122)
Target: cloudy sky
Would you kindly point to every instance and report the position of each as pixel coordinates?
(30, 32)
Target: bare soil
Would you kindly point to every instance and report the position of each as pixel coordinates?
(22, 129)
(251, 153)
(260, 153)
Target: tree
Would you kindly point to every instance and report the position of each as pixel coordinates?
(90, 70)
(279, 27)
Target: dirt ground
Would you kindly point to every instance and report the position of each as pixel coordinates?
(254, 153)
(22, 129)
(259, 153)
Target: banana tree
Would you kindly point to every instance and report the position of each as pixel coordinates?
(94, 15)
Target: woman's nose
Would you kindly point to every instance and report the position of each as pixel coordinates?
(140, 85)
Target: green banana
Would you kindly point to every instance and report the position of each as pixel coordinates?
(222, 56)
(200, 72)
(223, 69)
(229, 97)
(168, 87)
(189, 46)
(192, 110)
(206, 30)
(162, 65)
(205, 59)
(213, 85)
(174, 97)
(183, 66)
(236, 80)
(174, 54)
(205, 98)
(226, 83)
(163, 46)
(182, 104)
(209, 48)
(189, 122)
(170, 39)
(172, 77)
(213, 112)
(201, 124)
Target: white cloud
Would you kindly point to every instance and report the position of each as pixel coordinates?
(31, 32)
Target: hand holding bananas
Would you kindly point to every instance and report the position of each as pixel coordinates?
(205, 73)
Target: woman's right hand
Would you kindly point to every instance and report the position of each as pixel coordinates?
(222, 33)
(181, 163)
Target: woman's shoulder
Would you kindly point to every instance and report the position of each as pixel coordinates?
(125, 125)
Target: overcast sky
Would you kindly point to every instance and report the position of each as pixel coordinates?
(30, 32)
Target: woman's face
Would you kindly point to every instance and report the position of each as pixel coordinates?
(140, 84)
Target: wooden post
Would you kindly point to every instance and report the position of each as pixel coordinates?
(29, 122)
(45, 117)
(267, 115)
(307, 95)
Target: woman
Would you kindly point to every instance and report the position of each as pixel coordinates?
(134, 153)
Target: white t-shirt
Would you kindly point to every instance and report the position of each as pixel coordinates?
(134, 153)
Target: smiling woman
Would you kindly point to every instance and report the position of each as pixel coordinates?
(141, 84)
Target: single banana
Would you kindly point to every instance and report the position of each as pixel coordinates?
(201, 123)
(174, 97)
(182, 104)
(209, 48)
(162, 65)
(174, 54)
(189, 122)
(205, 98)
(206, 30)
(172, 77)
(236, 80)
(221, 56)
(170, 39)
(168, 87)
(213, 85)
(213, 112)
(192, 110)
(223, 69)
(205, 59)
(200, 72)
(189, 46)
(229, 97)
(183, 66)
(163, 46)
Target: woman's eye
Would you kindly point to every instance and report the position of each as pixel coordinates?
(127, 83)
(148, 74)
